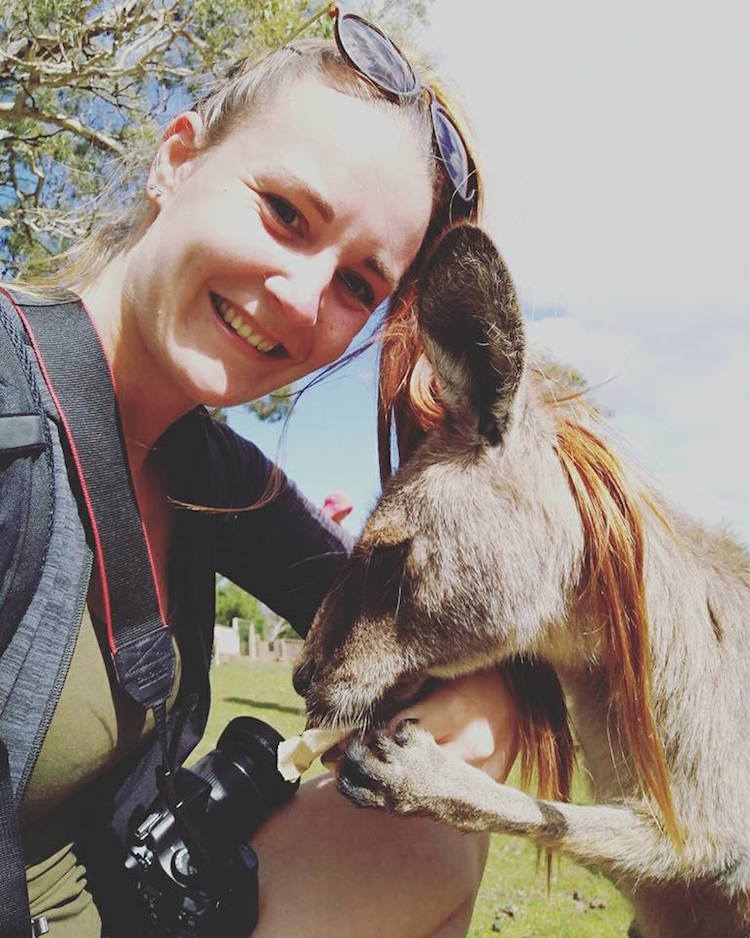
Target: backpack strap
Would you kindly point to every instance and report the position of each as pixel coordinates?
(26, 463)
(15, 917)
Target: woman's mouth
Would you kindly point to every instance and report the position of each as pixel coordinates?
(245, 331)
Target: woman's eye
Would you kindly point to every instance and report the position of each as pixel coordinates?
(358, 287)
(284, 212)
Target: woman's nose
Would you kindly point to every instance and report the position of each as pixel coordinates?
(299, 289)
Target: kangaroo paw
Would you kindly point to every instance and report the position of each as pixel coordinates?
(393, 770)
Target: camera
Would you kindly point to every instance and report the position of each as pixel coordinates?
(193, 868)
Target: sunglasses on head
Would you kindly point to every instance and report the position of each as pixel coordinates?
(379, 60)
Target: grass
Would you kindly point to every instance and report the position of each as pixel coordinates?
(513, 899)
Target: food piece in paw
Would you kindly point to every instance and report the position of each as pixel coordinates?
(297, 754)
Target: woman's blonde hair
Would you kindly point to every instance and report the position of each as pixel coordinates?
(250, 86)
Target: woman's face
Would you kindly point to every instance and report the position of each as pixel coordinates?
(270, 250)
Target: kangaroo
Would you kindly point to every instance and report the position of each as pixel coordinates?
(515, 533)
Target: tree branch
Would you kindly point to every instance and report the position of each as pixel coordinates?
(101, 140)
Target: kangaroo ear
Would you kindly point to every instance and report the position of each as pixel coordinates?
(472, 328)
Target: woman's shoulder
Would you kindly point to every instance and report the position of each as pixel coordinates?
(212, 465)
(204, 452)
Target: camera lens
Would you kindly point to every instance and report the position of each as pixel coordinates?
(245, 783)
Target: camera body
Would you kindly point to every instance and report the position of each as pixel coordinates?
(193, 868)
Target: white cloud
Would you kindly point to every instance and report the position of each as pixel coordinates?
(683, 417)
(616, 153)
(614, 140)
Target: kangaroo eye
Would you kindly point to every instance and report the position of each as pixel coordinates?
(386, 564)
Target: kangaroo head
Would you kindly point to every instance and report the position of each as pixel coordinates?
(463, 561)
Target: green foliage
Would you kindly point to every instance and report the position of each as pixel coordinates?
(231, 602)
(284, 630)
(565, 375)
(85, 83)
(275, 406)
(569, 379)
(85, 86)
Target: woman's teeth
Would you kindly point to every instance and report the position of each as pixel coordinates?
(241, 327)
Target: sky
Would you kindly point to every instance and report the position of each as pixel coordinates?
(615, 148)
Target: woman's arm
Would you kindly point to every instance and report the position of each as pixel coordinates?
(474, 718)
(286, 552)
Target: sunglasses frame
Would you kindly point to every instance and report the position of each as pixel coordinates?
(437, 111)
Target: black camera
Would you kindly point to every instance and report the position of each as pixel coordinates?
(194, 870)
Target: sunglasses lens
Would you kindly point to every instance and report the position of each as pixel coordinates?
(376, 56)
(453, 152)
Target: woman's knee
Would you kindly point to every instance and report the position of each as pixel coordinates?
(330, 868)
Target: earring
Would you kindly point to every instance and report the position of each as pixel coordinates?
(155, 189)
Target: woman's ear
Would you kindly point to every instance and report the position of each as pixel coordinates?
(180, 144)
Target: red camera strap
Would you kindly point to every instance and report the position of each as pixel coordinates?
(77, 375)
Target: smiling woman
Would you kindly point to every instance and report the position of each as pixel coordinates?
(275, 217)
(292, 245)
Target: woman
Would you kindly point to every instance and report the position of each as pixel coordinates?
(279, 214)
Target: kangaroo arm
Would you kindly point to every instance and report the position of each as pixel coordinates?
(616, 840)
(408, 773)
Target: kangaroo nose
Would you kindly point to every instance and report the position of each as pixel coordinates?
(303, 675)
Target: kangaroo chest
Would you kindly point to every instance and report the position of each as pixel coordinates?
(598, 734)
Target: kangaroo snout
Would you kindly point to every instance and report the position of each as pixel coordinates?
(303, 675)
